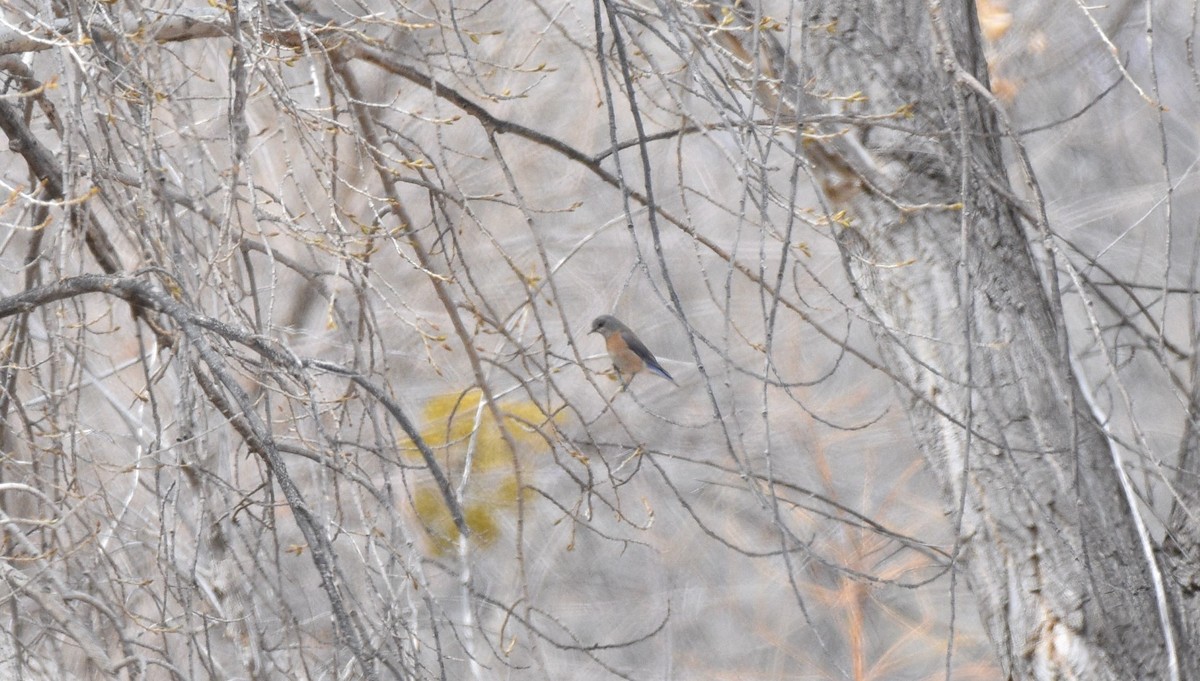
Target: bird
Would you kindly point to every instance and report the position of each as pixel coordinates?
(628, 353)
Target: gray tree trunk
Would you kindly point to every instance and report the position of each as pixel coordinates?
(1068, 580)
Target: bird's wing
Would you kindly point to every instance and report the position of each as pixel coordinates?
(642, 351)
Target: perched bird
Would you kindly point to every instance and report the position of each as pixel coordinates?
(629, 355)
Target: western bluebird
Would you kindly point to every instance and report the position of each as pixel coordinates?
(629, 355)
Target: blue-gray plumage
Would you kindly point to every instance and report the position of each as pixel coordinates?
(629, 354)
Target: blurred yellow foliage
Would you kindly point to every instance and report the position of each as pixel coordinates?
(459, 428)
(994, 18)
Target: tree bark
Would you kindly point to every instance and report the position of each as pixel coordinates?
(1060, 562)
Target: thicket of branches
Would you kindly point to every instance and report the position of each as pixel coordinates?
(296, 379)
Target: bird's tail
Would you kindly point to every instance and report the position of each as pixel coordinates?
(657, 370)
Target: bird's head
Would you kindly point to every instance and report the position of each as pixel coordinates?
(605, 325)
